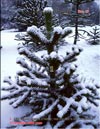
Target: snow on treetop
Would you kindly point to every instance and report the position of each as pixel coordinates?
(48, 9)
(58, 29)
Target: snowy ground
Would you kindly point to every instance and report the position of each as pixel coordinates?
(88, 66)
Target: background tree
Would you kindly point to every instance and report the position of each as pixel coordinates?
(8, 10)
(94, 35)
(30, 12)
(61, 8)
(76, 15)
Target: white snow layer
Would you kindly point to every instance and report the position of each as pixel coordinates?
(48, 9)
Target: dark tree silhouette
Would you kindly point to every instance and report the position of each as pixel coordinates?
(30, 12)
(76, 15)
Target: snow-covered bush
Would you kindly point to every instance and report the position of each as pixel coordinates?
(49, 84)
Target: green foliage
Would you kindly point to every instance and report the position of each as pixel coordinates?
(48, 21)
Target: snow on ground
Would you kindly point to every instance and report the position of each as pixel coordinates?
(89, 59)
(8, 68)
(88, 66)
(89, 62)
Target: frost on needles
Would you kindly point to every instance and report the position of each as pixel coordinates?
(49, 84)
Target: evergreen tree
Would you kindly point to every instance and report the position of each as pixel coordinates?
(30, 12)
(49, 82)
(94, 35)
(76, 15)
(8, 10)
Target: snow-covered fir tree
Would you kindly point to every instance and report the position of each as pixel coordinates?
(48, 82)
(30, 12)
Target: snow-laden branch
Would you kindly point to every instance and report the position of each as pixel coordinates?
(46, 112)
(82, 104)
(39, 74)
(21, 99)
(60, 82)
(34, 82)
(60, 71)
(59, 124)
(37, 35)
(65, 32)
(82, 92)
(65, 109)
(33, 72)
(93, 101)
(7, 88)
(32, 56)
(70, 56)
(11, 86)
(8, 80)
(57, 34)
(70, 70)
(13, 94)
(12, 100)
(26, 73)
(22, 62)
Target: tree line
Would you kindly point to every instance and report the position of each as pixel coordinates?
(10, 10)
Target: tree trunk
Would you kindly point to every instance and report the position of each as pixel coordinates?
(76, 24)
